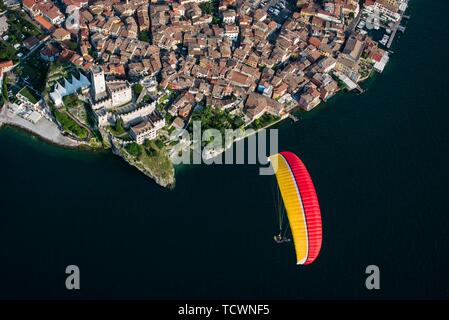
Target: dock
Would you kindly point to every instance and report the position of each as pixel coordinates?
(397, 27)
(393, 34)
(360, 89)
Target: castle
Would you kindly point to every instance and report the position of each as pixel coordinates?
(108, 94)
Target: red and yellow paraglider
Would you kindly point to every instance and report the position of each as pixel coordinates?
(301, 204)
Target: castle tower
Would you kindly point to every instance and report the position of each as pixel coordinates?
(98, 82)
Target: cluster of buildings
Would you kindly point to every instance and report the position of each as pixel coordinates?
(248, 53)
(388, 10)
(113, 100)
(230, 55)
(111, 29)
(44, 10)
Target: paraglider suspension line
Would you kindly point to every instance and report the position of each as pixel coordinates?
(281, 237)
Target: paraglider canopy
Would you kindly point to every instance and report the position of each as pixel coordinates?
(301, 203)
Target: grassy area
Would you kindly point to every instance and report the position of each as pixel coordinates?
(151, 158)
(79, 111)
(264, 121)
(30, 95)
(167, 98)
(57, 70)
(365, 68)
(70, 125)
(155, 158)
(71, 101)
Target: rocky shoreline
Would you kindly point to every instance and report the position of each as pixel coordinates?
(163, 182)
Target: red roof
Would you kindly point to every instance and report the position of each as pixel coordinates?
(45, 23)
(5, 64)
(315, 42)
(29, 3)
(377, 57)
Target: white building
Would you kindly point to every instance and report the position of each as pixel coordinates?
(231, 32)
(102, 117)
(68, 88)
(379, 66)
(120, 93)
(117, 94)
(386, 9)
(141, 112)
(98, 82)
(147, 129)
(327, 17)
(229, 16)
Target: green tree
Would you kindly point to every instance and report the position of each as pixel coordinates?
(144, 36)
(72, 45)
(119, 126)
(137, 88)
(2, 6)
(133, 149)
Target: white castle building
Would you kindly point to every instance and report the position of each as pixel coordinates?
(118, 93)
(68, 88)
(108, 94)
(98, 82)
(137, 113)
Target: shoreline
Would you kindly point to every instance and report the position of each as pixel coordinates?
(8, 120)
(45, 139)
(44, 129)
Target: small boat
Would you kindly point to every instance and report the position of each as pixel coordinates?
(384, 39)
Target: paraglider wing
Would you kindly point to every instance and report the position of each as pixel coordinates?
(301, 204)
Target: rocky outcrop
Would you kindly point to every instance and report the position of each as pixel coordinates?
(167, 180)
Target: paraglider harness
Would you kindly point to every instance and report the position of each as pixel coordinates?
(281, 238)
